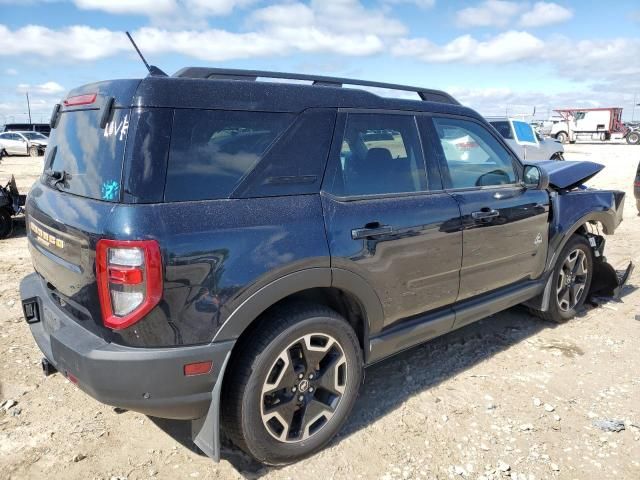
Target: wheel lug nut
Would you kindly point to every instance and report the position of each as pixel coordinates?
(310, 389)
(311, 376)
(301, 398)
(300, 376)
(294, 389)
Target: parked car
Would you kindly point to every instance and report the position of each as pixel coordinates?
(526, 141)
(23, 143)
(234, 252)
(43, 128)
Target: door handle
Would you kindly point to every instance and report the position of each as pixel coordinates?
(485, 213)
(371, 230)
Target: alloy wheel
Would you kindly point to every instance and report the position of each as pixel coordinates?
(303, 388)
(572, 280)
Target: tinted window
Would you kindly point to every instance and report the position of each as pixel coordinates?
(212, 150)
(89, 155)
(474, 157)
(380, 154)
(503, 128)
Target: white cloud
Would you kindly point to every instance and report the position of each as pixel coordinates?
(490, 13)
(503, 13)
(70, 43)
(545, 13)
(11, 71)
(343, 27)
(505, 101)
(47, 88)
(424, 4)
(155, 8)
(506, 47)
(346, 17)
(215, 7)
(144, 7)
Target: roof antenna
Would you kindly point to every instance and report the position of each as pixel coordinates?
(153, 70)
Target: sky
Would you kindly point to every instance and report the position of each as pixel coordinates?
(496, 56)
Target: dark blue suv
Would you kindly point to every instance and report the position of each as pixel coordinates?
(212, 247)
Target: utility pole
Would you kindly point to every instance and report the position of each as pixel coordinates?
(29, 107)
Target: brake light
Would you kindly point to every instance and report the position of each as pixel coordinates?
(129, 276)
(85, 99)
(636, 183)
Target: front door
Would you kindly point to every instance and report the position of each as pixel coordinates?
(386, 215)
(505, 226)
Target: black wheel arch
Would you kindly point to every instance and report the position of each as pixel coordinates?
(343, 291)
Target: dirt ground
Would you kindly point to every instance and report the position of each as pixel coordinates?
(508, 396)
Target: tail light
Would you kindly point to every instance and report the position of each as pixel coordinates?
(129, 276)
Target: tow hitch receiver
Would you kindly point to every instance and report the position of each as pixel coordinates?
(607, 282)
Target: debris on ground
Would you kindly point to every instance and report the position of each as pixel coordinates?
(609, 425)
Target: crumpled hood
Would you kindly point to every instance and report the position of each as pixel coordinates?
(569, 174)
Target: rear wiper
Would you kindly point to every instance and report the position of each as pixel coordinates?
(58, 176)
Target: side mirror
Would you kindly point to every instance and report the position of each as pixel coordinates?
(535, 177)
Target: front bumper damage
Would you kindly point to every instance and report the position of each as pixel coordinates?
(607, 282)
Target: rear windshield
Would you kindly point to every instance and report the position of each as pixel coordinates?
(90, 157)
(212, 150)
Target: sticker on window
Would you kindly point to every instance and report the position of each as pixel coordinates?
(110, 190)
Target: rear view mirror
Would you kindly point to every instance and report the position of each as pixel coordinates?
(535, 177)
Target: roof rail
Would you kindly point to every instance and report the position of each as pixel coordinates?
(252, 75)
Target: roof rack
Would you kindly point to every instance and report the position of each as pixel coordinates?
(252, 75)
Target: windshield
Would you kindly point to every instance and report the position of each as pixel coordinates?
(34, 136)
(87, 160)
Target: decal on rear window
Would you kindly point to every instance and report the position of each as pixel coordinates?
(110, 190)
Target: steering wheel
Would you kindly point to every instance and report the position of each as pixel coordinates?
(498, 173)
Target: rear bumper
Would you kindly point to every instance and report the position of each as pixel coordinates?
(147, 380)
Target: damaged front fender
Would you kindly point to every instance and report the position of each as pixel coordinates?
(573, 208)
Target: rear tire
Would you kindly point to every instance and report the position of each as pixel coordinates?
(6, 223)
(571, 281)
(292, 384)
(562, 137)
(33, 151)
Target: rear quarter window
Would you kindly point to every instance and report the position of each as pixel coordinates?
(213, 150)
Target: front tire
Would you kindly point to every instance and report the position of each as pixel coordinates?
(571, 281)
(293, 383)
(33, 151)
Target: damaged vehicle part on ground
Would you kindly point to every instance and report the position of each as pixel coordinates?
(11, 203)
(234, 252)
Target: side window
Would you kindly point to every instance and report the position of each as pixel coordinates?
(474, 157)
(212, 150)
(380, 154)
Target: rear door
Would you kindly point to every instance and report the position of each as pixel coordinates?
(70, 209)
(386, 215)
(505, 225)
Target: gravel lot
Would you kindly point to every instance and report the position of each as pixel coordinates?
(508, 396)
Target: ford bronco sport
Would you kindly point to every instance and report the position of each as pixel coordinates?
(234, 252)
